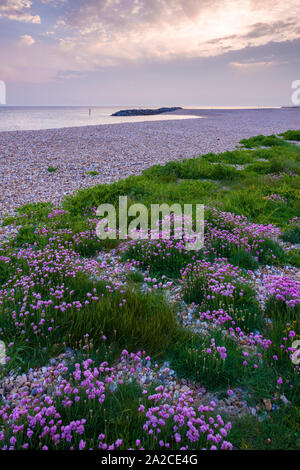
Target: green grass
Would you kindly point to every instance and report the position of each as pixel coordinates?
(52, 169)
(4, 272)
(279, 431)
(243, 259)
(135, 277)
(292, 235)
(291, 135)
(193, 168)
(236, 157)
(189, 358)
(262, 168)
(278, 309)
(145, 320)
(293, 258)
(263, 141)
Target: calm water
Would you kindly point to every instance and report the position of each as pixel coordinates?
(32, 118)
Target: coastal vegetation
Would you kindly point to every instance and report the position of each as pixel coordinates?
(92, 173)
(51, 169)
(143, 344)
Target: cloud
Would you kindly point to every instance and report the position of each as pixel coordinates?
(18, 10)
(252, 65)
(275, 28)
(26, 40)
(86, 36)
(67, 74)
(168, 29)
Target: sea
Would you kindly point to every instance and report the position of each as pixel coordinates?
(15, 118)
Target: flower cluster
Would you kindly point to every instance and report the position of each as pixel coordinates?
(295, 221)
(283, 288)
(37, 290)
(183, 415)
(160, 253)
(274, 198)
(226, 233)
(62, 420)
(214, 283)
(240, 224)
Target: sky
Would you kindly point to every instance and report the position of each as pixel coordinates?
(149, 52)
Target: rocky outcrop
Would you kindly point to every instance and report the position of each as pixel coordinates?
(144, 112)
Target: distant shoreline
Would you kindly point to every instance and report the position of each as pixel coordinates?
(46, 118)
(21, 119)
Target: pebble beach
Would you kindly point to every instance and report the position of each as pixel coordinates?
(119, 150)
